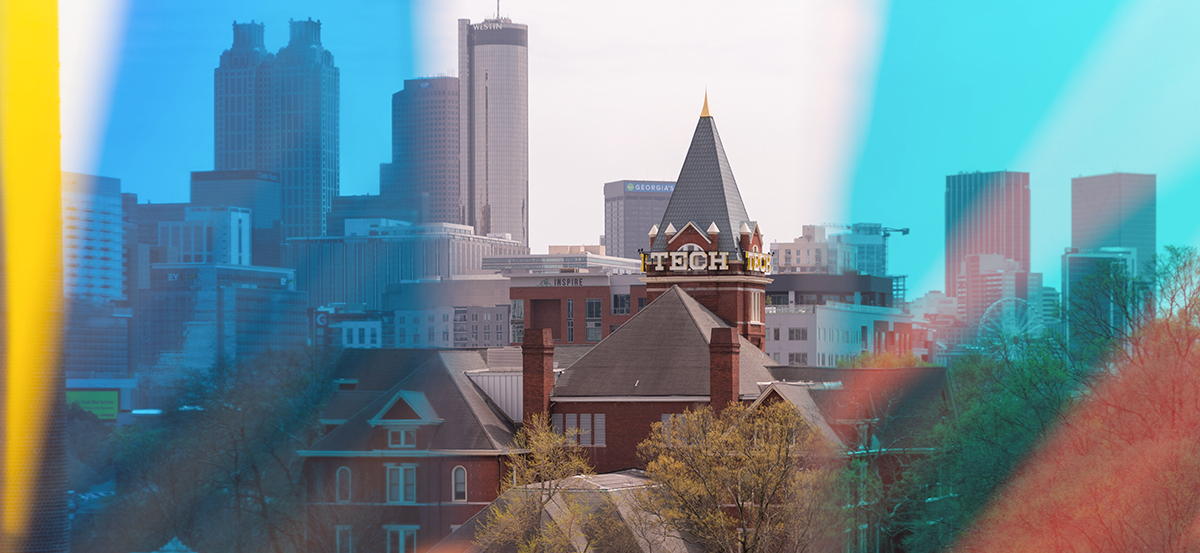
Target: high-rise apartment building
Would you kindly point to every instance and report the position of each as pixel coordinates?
(94, 277)
(630, 209)
(279, 113)
(425, 145)
(986, 213)
(493, 79)
(813, 252)
(1115, 211)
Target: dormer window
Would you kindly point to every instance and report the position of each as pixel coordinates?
(402, 438)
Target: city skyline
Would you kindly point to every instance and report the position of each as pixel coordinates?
(1056, 121)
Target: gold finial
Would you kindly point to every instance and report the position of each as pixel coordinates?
(704, 112)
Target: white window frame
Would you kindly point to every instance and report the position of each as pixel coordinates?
(401, 531)
(454, 483)
(343, 531)
(400, 472)
(337, 485)
(408, 437)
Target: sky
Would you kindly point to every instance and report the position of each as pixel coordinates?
(831, 111)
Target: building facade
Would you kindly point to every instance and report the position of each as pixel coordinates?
(425, 149)
(826, 335)
(95, 277)
(986, 213)
(200, 313)
(1117, 210)
(992, 290)
(814, 253)
(358, 268)
(493, 79)
(579, 308)
(258, 191)
(279, 113)
(210, 235)
(1084, 290)
(630, 208)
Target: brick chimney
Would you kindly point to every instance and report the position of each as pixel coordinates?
(723, 375)
(537, 365)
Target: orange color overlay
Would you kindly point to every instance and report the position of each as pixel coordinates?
(29, 189)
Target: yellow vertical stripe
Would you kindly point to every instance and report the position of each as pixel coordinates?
(30, 182)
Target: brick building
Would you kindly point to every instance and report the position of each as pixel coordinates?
(413, 449)
(578, 308)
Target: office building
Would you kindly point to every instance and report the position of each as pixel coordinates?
(493, 80)
(279, 113)
(94, 277)
(425, 167)
(825, 335)
(199, 313)
(986, 213)
(630, 208)
(258, 191)
(818, 289)
(994, 292)
(210, 235)
(1087, 300)
(870, 244)
(578, 308)
(560, 259)
(358, 267)
(813, 253)
(465, 311)
(1117, 210)
(366, 206)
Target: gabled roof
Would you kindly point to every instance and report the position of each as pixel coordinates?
(661, 351)
(437, 388)
(604, 496)
(406, 405)
(897, 401)
(343, 404)
(798, 395)
(705, 192)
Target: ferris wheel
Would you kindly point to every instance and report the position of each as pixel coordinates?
(1009, 318)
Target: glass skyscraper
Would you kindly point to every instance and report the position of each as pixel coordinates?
(1115, 211)
(986, 213)
(493, 79)
(279, 113)
(425, 146)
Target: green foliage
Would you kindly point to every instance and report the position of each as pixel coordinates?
(882, 360)
(538, 478)
(742, 481)
(1007, 400)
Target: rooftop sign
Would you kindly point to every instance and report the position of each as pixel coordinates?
(701, 261)
(660, 187)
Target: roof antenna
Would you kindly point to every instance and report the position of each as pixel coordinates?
(497, 9)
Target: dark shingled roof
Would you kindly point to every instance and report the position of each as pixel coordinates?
(470, 420)
(799, 396)
(343, 404)
(705, 193)
(661, 351)
(377, 370)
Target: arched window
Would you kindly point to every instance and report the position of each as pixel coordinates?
(343, 485)
(460, 484)
(690, 248)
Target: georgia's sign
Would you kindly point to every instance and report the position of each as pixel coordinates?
(701, 261)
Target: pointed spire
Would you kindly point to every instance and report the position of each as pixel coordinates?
(745, 229)
(653, 231)
(704, 112)
(712, 228)
(670, 229)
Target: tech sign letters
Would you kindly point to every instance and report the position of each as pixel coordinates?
(701, 261)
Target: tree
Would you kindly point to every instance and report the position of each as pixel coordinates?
(1007, 399)
(882, 360)
(220, 470)
(742, 481)
(538, 479)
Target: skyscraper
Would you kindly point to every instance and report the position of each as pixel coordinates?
(424, 171)
(279, 113)
(493, 79)
(986, 213)
(630, 209)
(1115, 211)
